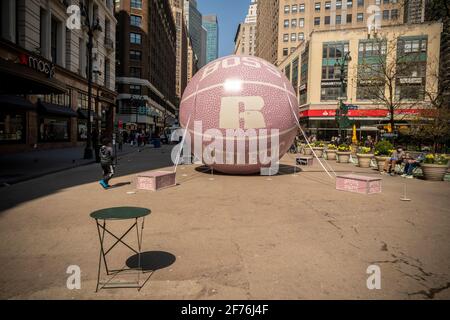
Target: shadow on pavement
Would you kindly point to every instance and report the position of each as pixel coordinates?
(284, 169)
(146, 160)
(151, 260)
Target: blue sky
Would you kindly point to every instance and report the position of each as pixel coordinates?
(230, 13)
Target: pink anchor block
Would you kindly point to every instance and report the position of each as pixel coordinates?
(358, 184)
(155, 180)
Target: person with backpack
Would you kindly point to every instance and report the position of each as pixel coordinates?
(107, 163)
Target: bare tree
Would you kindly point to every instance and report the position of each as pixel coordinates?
(391, 73)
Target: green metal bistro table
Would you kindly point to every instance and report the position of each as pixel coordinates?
(119, 213)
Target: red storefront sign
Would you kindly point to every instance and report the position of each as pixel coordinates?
(378, 113)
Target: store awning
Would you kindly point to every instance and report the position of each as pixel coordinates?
(15, 102)
(83, 114)
(20, 79)
(374, 113)
(56, 109)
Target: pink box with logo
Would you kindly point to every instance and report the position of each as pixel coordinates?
(358, 184)
(155, 180)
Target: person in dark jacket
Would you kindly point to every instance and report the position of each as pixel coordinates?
(107, 162)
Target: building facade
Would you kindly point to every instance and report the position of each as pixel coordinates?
(312, 70)
(245, 39)
(182, 47)
(43, 71)
(286, 23)
(211, 24)
(196, 31)
(146, 73)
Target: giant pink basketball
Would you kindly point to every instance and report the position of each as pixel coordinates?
(238, 92)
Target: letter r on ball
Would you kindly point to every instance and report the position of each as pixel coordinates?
(230, 114)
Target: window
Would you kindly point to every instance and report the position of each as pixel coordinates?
(294, 8)
(135, 38)
(386, 1)
(134, 89)
(285, 51)
(286, 37)
(286, 23)
(360, 17)
(135, 72)
(54, 40)
(301, 8)
(301, 22)
(135, 20)
(349, 3)
(293, 37)
(286, 9)
(338, 4)
(135, 55)
(54, 129)
(317, 6)
(327, 5)
(327, 20)
(287, 71)
(338, 19)
(360, 3)
(349, 18)
(394, 14)
(317, 21)
(12, 126)
(294, 23)
(136, 4)
(301, 36)
(377, 2)
(385, 14)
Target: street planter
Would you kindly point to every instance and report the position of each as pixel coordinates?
(343, 156)
(364, 159)
(380, 162)
(318, 151)
(307, 151)
(434, 172)
(331, 154)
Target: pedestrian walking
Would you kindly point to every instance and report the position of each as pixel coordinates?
(120, 141)
(107, 163)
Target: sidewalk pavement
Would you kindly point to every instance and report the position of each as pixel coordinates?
(291, 236)
(24, 166)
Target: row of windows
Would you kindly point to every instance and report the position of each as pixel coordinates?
(317, 6)
(294, 37)
(327, 19)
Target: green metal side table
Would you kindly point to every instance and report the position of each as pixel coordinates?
(119, 213)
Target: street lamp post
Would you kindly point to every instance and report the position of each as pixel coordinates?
(91, 27)
(341, 115)
(137, 103)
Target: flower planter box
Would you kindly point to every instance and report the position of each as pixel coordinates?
(305, 160)
(343, 156)
(307, 151)
(155, 180)
(380, 162)
(318, 151)
(364, 160)
(331, 154)
(434, 172)
(358, 184)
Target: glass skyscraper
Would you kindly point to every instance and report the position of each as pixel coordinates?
(211, 24)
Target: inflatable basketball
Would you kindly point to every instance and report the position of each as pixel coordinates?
(234, 105)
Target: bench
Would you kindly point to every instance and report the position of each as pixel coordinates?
(305, 160)
(155, 180)
(358, 184)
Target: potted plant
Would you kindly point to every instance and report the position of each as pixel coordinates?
(383, 150)
(343, 153)
(364, 155)
(318, 147)
(434, 167)
(331, 152)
